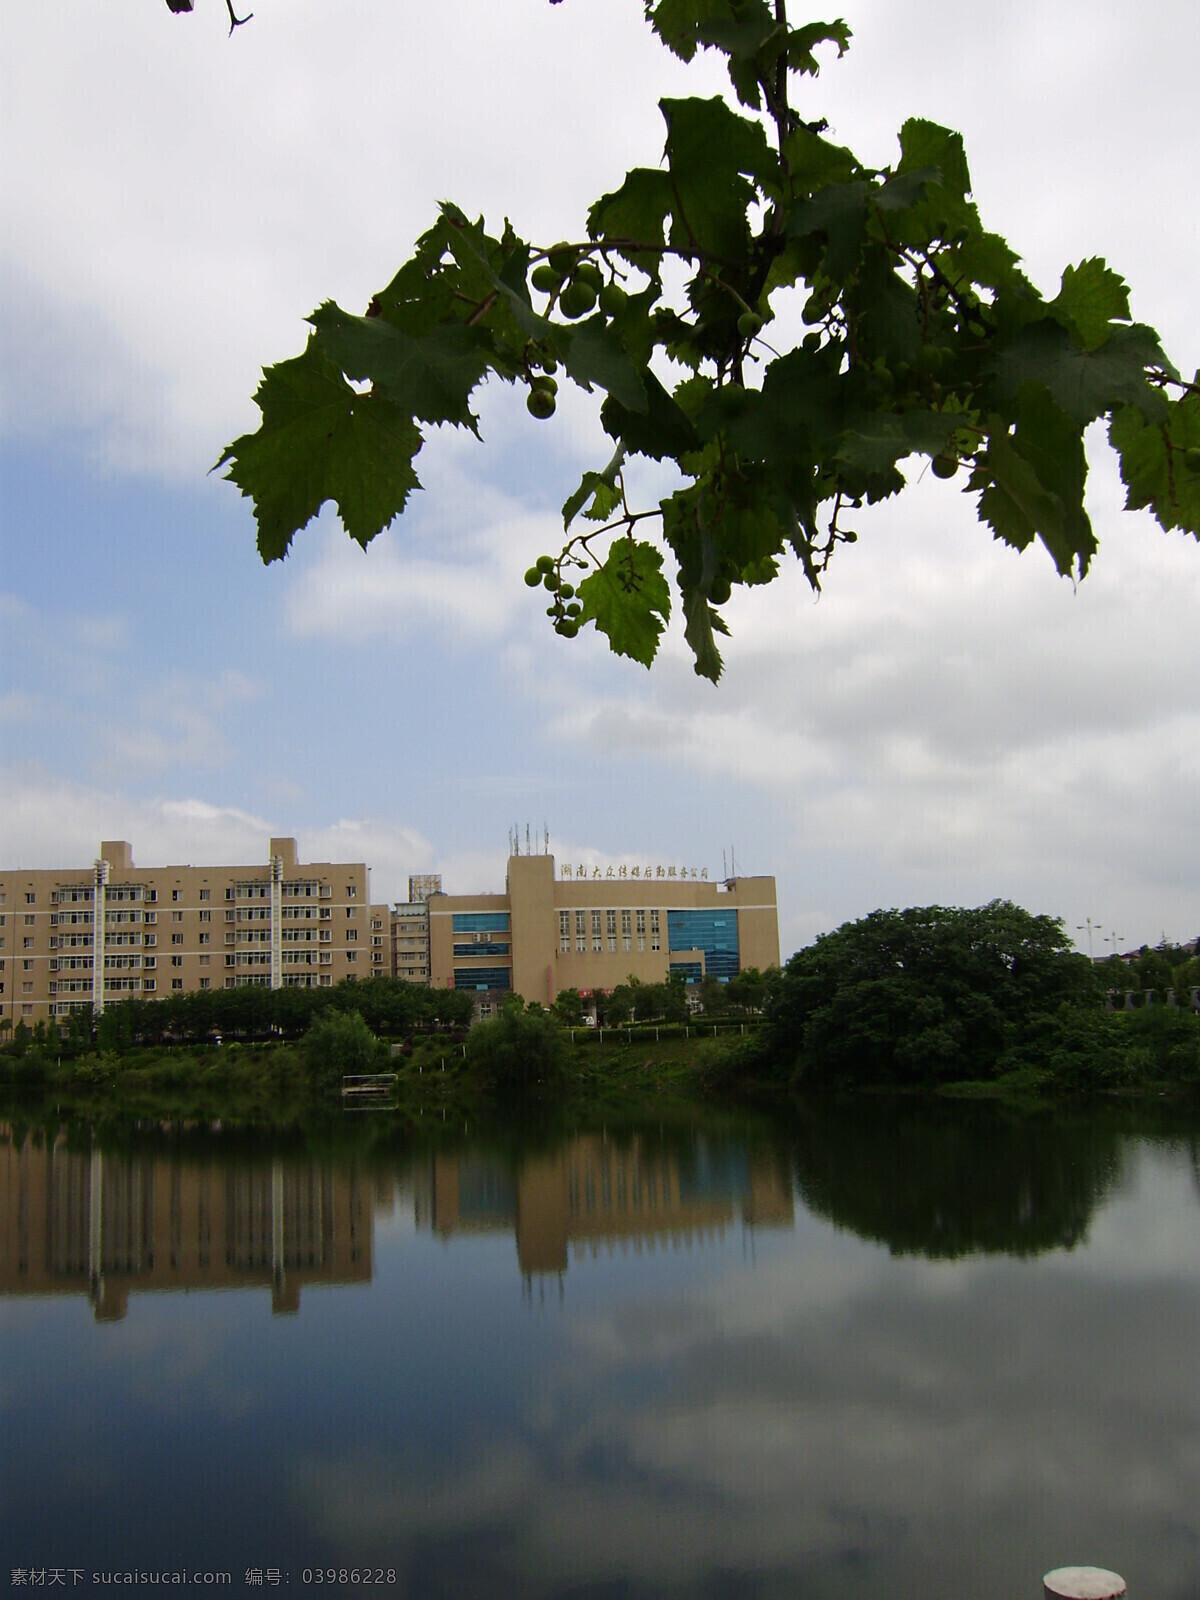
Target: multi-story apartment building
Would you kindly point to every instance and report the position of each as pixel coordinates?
(74, 937)
(409, 924)
(555, 929)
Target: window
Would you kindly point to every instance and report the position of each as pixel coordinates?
(206, 916)
(206, 894)
(150, 961)
(177, 916)
(176, 961)
(626, 937)
(151, 938)
(581, 930)
(564, 931)
(351, 891)
(176, 938)
(31, 899)
(351, 955)
(351, 934)
(610, 928)
(174, 894)
(205, 961)
(654, 930)
(30, 920)
(27, 966)
(177, 983)
(152, 916)
(597, 939)
(206, 938)
(148, 985)
(206, 983)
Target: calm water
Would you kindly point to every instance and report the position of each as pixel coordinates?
(921, 1352)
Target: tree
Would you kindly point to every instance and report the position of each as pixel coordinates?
(923, 995)
(340, 1044)
(568, 1008)
(518, 1051)
(924, 340)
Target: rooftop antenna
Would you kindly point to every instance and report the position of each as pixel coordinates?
(546, 830)
(528, 851)
(724, 867)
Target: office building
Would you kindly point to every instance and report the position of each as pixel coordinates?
(569, 927)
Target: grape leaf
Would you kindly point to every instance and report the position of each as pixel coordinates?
(628, 599)
(1091, 299)
(321, 440)
(594, 355)
(1033, 482)
(1086, 383)
(1159, 462)
(431, 376)
(709, 147)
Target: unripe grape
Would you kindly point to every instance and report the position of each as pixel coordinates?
(533, 577)
(749, 323)
(588, 272)
(540, 403)
(568, 627)
(562, 258)
(550, 581)
(945, 466)
(577, 299)
(613, 299)
(545, 563)
(811, 342)
(719, 591)
(545, 278)
(543, 380)
(566, 590)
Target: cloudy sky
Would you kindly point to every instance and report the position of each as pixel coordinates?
(949, 723)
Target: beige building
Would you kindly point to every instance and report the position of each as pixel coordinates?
(409, 925)
(74, 937)
(557, 928)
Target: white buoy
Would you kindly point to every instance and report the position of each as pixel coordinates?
(1083, 1583)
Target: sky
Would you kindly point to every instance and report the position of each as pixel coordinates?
(949, 723)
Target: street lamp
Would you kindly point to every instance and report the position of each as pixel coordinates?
(1092, 927)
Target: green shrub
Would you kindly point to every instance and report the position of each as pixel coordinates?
(339, 1044)
(518, 1051)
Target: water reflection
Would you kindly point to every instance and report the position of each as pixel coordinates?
(594, 1192)
(939, 1182)
(942, 1180)
(813, 1415)
(107, 1225)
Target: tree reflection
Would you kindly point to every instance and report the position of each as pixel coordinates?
(951, 1180)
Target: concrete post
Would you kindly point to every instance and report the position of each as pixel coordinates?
(1083, 1583)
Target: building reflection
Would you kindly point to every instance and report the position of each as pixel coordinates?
(80, 1220)
(87, 1221)
(593, 1193)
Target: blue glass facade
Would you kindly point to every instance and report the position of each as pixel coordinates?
(480, 922)
(484, 978)
(714, 932)
(485, 947)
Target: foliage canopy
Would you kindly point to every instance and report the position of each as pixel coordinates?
(924, 340)
(925, 995)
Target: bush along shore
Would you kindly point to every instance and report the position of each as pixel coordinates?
(990, 1001)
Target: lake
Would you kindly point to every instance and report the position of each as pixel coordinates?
(914, 1349)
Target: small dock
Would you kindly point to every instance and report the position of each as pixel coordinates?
(366, 1091)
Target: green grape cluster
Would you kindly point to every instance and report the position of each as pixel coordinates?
(566, 608)
(572, 280)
